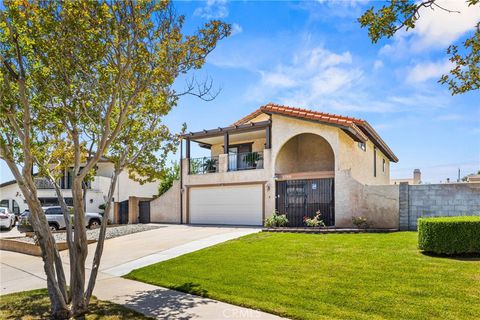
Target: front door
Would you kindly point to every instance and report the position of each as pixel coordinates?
(303, 198)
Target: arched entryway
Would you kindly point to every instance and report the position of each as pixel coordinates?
(305, 169)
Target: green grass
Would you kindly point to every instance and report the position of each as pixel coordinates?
(334, 276)
(35, 304)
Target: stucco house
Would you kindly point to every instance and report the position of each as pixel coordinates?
(292, 160)
(97, 190)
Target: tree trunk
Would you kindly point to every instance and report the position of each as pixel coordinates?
(101, 239)
(50, 255)
(68, 232)
(80, 249)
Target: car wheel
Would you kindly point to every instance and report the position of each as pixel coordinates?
(94, 223)
(53, 227)
(10, 226)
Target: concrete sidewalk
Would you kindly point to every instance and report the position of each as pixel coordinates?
(162, 303)
(21, 272)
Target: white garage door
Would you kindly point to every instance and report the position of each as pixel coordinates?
(239, 205)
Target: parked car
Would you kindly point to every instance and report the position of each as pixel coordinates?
(7, 218)
(56, 220)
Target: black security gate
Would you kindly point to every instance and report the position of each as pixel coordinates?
(123, 212)
(303, 198)
(144, 211)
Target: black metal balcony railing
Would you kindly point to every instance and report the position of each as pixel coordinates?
(203, 165)
(245, 161)
(44, 183)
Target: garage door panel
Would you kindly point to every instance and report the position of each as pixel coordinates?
(241, 205)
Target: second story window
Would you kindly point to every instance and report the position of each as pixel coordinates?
(384, 165)
(374, 161)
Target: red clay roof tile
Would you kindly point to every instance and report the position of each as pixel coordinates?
(358, 126)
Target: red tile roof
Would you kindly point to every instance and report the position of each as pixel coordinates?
(360, 129)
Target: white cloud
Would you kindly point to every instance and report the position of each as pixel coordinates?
(439, 28)
(329, 81)
(378, 64)
(450, 117)
(236, 29)
(344, 3)
(312, 75)
(436, 29)
(213, 9)
(422, 72)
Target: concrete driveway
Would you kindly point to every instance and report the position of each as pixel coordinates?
(121, 255)
(10, 233)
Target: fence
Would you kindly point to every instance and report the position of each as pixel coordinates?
(431, 200)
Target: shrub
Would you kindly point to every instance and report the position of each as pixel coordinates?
(171, 174)
(449, 235)
(315, 221)
(276, 220)
(360, 222)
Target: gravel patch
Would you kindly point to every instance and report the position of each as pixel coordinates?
(92, 234)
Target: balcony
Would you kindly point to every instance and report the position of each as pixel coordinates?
(245, 161)
(44, 184)
(204, 165)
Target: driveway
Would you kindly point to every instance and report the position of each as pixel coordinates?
(10, 233)
(21, 272)
(121, 255)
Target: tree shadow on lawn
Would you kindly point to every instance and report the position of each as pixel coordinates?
(460, 257)
(166, 303)
(35, 304)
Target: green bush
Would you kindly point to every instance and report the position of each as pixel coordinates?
(449, 235)
(276, 220)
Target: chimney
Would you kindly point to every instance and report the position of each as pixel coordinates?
(417, 176)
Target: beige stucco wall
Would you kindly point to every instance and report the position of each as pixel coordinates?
(378, 203)
(352, 166)
(303, 153)
(166, 208)
(225, 177)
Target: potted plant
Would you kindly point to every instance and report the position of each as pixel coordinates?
(252, 159)
(210, 165)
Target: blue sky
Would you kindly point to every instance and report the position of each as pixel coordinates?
(314, 55)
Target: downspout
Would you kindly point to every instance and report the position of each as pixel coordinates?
(181, 181)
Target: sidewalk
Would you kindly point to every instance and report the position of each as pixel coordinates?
(163, 303)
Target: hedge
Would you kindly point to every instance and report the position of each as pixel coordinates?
(449, 235)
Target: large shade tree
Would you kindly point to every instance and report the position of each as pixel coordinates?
(83, 80)
(395, 15)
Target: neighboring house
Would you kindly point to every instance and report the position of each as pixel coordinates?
(417, 178)
(473, 178)
(97, 190)
(292, 160)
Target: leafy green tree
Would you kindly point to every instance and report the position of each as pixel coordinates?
(396, 15)
(83, 80)
(171, 174)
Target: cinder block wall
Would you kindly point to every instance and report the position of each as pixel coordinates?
(432, 200)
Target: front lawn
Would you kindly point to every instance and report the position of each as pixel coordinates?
(327, 276)
(36, 305)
